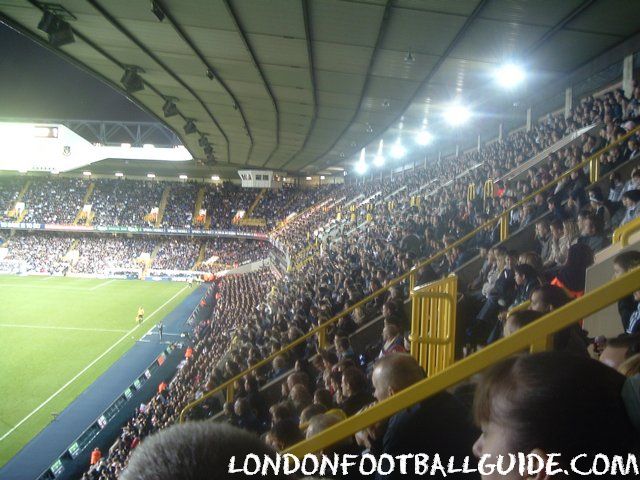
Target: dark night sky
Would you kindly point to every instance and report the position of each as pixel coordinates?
(37, 84)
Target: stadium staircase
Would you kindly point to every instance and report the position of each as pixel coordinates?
(198, 206)
(255, 203)
(163, 205)
(200, 258)
(85, 201)
(433, 316)
(19, 198)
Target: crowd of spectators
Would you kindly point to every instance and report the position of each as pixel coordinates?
(124, 203)
(176, 254)
(571, 222)
(178, 212)
(233, 252)
(234, 304)
(9, 189)
(43, 253)
(101, 254)
(54, 200)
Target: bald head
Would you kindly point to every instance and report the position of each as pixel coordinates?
(393, 373)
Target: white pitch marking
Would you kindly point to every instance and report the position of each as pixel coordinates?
(53, 327)
(103, 284)
(55, 394)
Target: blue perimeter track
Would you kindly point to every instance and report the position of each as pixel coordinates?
(38, 455)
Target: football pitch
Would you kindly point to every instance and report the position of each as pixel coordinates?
(57, 335)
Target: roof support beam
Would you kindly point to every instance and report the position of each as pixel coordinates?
(381, 31)
(256, 65)
(312, 77)
(112, 20)
(182, 34)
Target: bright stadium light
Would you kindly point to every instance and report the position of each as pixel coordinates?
(378, 160)
(151, 175)
(424, 137)
(321, 177)
(215, 178)
(125, 145)
(361, 166)
(509, 75)
(307, 178)
(398, 150)
(119, 174)
(182, 176)
(456, 114)
(86, 173)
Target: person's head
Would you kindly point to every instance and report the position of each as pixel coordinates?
(321, 422)
(546, 298)
(518, 319)
(353, 381)
(300, 397)
(193, 451)
(242, 407)
(281, 411)
(631, 366)
(284, 434)
(620, 348)
(631, 198)
(532, 259)
(311, 411)
(552, 403)
(390, 331)
(322, 396)
(542, 229)
(393, 373)
(625, 261)
(589, 225)
(279, 363)
(557, 229)
(296, 378)
(524, 273)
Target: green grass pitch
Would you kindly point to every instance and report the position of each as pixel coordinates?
(53, 328)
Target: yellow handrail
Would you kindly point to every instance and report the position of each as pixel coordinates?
(433, 324)
(411, 274)
(529, 337)
(621, 234)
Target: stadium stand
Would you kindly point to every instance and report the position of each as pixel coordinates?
(444, 307)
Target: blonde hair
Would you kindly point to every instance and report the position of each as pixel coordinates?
(631, 366)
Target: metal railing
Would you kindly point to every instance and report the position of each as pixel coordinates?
(433, 324)
(535, 337)
(621, 234)
(412, 274)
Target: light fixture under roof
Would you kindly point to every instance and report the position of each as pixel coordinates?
(509, 75)
(57, 29)
(307, 178)
(131, 79)
(424, 137)
(182, 176)
(157, 10)
(86, 173)
(169, 108)
(398, 150)
(361, 165)
(190, 127)
(151, 175)
(378, 160)
(457, 114)
(215, 178)
(119, 174)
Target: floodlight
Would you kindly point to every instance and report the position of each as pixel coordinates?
(208, 150)
(215, 178)
(182, 177)
(86, 173)
(151, 175)
(424, 137)
(457, 114)
(119, 174)
(307, 178)
(510, 75)
(398, 150)
(378, 160)
(157, 10)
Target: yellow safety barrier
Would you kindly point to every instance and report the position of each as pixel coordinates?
(487, 191)
(433, 324)
(412, 274)
(530, 337)
(471, 192)
(621, 234)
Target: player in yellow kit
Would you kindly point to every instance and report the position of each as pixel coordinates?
(140, 315)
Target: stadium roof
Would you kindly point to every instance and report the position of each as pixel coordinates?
(303, 85)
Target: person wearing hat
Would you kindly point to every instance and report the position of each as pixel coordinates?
(630, 200)
(601, 212)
